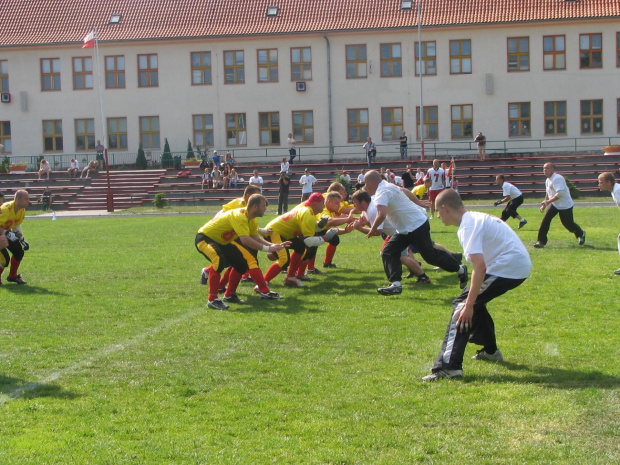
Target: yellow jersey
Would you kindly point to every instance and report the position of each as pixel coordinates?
(234, 204)
(299, 221)
(419, 191)
(326, 212)
(9, 218)
(229, 226)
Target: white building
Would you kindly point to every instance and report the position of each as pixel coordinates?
(230, 74)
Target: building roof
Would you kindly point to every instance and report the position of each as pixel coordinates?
(53, 22)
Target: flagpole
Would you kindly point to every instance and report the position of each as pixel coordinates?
(109, 197)
(421, 115)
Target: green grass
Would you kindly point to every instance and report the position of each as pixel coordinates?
(109, 356)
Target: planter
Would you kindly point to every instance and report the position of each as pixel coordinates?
(17, 168)
(192, 164)
(612, 150)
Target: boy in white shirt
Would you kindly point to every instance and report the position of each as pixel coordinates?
(306, 181)
(256, 180)
(513, 196)
(607, 182)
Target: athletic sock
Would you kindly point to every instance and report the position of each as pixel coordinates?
(330, 250)
(293, 266)
(259, 280)
(225, 278)
(233, 282)
(214, 284)
(272, 272)
(14, 266)
(311, 263)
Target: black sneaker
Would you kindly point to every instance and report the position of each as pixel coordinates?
(204, 277)
(423, 279)
(522, 223)
(390, 290)
(233, 299)
(582, 239)
(17, 279)
(217, 304)
(271, 296)
(615, 272)
(315, 271)
(329, 265)
(539, 245)
(463, 277)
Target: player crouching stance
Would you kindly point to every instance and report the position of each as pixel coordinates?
(500, 263)
(11, 237)
(216, 240)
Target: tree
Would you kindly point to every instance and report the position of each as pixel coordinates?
(166, 157)
(141, 159)
(190, 150)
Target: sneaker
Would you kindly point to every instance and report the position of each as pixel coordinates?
(390, 290)
(423, 279)
(271, 295)
(305, 278)
(539, 245)
(246, 279)
(233, 299)
(432, 217)
(217, 304)
(293, 282)
(582, 239)
(458, 257)
(615, 272)
(256, 289)
(222, 290)
(17, 279)
(463, 277)
(482, 355)
(522, 223)
(315, 271)
(204, 277)
(443, 374)
(329, 265)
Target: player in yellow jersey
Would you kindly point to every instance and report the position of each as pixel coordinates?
(420, 190)
(297, 226)
(11, 217)
(216, 241)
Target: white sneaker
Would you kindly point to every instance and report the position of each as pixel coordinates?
(293, 282)
(482, 355)
(443, 374)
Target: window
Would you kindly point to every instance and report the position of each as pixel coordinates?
(148, 74)
(203, 130)
(85, 134)
(301, 64)
(519, 119)
(391, 123)
(117, 133)
(431, 123)
(234, 67)
(591, 117)
(555, 118)
(462, 121)
(617, 52)
(115, 72)
(554, 52)
(269, 127)
(460, 57)
(590, 51)
(356, 61)
(149, 132)
(391, 60)
(50, 74)
(357, 124)
(52, 135)
(518, 54)
(303, 127)
(201, 68)
(82, 73)
(429, 58)
(236, 133)
(4, 76)
(5, 136)
(267, 62)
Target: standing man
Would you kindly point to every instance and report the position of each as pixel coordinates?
(513, 196)
(216, 242)
(292, 151)
(403, 146)
(408, 216)
(607, 182)
(256, 180)
(306, 181)
(557, 200)
(283, 183)
(371, 151)
(482, 145)
(11, 236)
(500, 263)
(408, 178)
(99, 149)
(438, 183)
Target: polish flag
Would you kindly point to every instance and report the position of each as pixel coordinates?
(89, 40)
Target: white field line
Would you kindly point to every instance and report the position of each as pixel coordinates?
(103, 353)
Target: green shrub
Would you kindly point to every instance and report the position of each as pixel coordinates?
(141, 159)
(574, 192)
(166, 157)
(4, 166)
(160, 200)
(190, 150)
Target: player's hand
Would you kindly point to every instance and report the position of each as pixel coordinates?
(10, 235)
(543, 206)
(286, 244)
(330, 234)
(349, 227)
(464, 321)
(25, 244)
(496, 203)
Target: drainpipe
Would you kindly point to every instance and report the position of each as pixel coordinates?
(329, 100)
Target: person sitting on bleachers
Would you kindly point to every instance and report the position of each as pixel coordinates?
(216, 176)
(74, 168)
(46, 199)
(206, 179)
(44, 169)
(90, 168)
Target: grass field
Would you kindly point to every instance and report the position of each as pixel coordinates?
(109, 356)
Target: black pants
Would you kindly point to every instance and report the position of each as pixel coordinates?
(283, 201)
(566, 217)
(511, 208)
(15, 247)
(421, 240)
(292, 154)
(482, 331)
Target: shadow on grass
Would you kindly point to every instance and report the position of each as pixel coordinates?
(290, 304)
(27, 289)
(555, 377)
(14, 388)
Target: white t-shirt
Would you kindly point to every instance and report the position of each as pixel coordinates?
(557, 185)
(615, 194)
(257, 180)
(437, 177)
(284, 167)
(511, 190)
(346, 177)
(306, 182)
(504, 253)
(405, 215)
(360, 178)
(291, 142)
(398, 181)
(371, 213)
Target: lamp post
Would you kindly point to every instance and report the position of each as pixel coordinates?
(421, 71)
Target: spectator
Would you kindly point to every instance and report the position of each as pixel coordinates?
(46, 199)
(256, 180)
(90, 168)
(99, 149)
(230, 159)
(216, 176)
(216, 158)
(408, 178)
(419, 177)
(371, 151)
(285, 165)
(403, 146)
(360, 179)
(226, 176)
(206, 179)
(482, 145)
(44, 169)
(306, 181)
(234, 179)
(74, 168)
(345, 176)
(292, 151)
(284, 183)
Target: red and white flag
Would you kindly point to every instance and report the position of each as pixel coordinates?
(89, 40)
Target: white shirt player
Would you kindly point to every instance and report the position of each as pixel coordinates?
(404, 215)
(511, 190)
(438, 179)
(615, 194)
(556, 184)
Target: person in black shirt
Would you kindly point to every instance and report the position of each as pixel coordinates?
(283, 182)
(408, 178)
